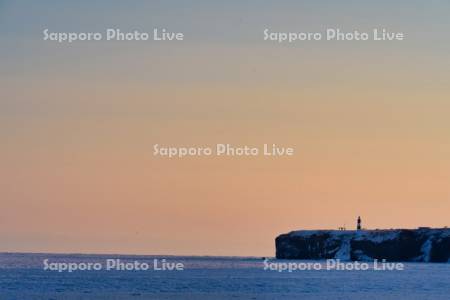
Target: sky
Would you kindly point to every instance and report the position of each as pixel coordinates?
(368, 121)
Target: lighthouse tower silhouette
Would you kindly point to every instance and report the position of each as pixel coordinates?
(358, 223)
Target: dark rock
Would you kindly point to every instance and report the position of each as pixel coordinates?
(419, 245)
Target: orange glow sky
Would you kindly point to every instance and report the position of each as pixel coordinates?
(369, 123)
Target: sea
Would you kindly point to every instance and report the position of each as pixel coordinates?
(28, 276)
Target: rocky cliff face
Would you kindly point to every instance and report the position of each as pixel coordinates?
(418, 245)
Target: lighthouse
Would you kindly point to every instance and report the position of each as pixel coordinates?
(358, 223)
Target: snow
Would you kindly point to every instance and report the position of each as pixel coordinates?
(377, 236)
(344, 251)
(426, 250)
(309, 233)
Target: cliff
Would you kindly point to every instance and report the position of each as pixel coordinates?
(415, 245)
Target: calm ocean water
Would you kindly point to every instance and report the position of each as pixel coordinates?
(22, 276)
